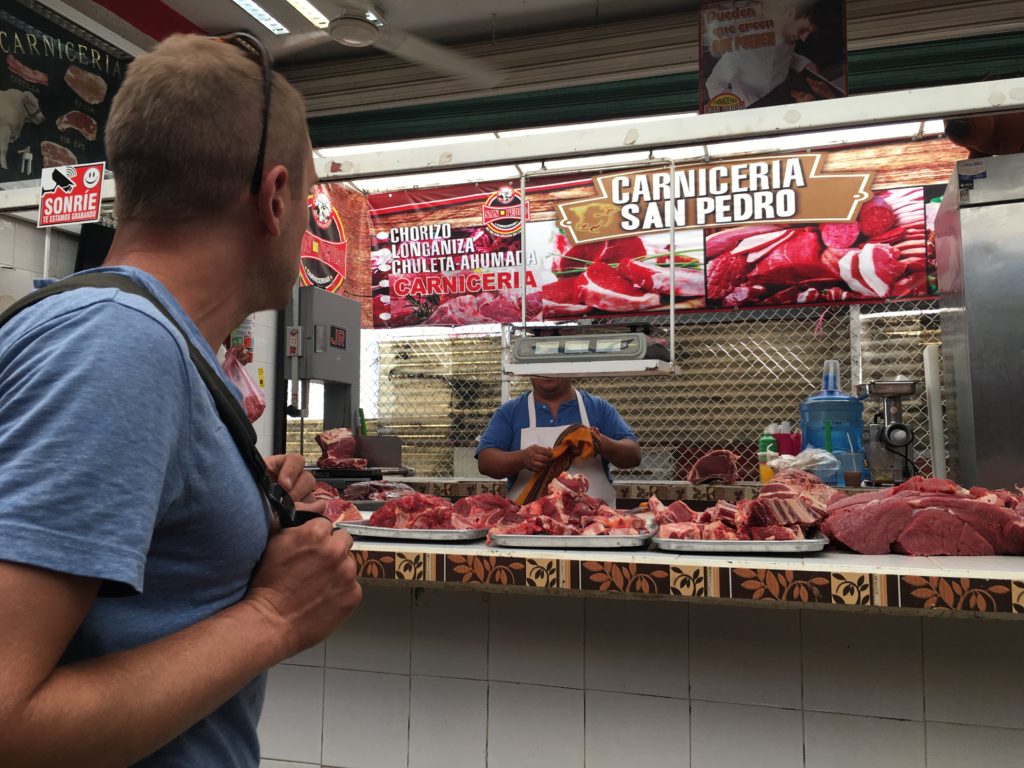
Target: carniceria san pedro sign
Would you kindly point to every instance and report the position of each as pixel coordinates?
(778, 189)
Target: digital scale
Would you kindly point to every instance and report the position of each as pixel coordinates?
(589, 354)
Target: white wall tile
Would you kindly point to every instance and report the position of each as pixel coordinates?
(449, 633)
(972, 672)
(536, 640)
(366, 720)
(616, 629)
(311, 657)
(862, 664)
(639, 731)
(376, 638)
(282, 764)
(290, 727)
(447, 723)
(734, 736)
(6, 241)
(849, 741)
(28, 247)
(535, 726)
(14, 283)
(745, 655)
(970, 746)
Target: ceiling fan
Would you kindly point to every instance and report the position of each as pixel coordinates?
(360, 24)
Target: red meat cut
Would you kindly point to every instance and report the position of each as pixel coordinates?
(55, 155)
(841, 235)
(727, 239)
(486, 307)
(341, 509)
(581, 256)
(717, 466)
(876, 217)
(559, 298)
(78, 121)
(602, 287)
(375, 490)
(725, 273)
(798, 259)
(337, 446)
(26, 72)
(89, 87)
(872, 270)
(656, 279)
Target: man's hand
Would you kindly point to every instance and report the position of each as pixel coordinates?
(535, 458)
(288, 470)
(306, 582)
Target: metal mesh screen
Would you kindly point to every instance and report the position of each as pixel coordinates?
(739, 371)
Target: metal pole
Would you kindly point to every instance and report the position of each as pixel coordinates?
(672, 269)
(933, 392)
(856, 348)
(47, 244)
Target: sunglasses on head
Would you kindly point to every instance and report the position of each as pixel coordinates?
(255, 50)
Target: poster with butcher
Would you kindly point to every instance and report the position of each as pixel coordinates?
(451, 255)
(56, 84)
(758, 53)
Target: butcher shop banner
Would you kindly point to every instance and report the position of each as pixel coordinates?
(758, 53)
(56, 84)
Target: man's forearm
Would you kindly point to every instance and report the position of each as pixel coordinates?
(116, 709)
(499, 464)
(623, 453)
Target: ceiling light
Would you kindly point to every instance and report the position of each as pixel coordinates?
(314, 16)
(259, 13)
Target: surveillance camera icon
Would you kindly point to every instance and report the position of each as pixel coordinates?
(60, 178)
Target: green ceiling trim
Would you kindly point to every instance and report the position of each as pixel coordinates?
(878, 69)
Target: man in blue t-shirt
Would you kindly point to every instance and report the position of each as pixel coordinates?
(143, 589)
(518, 440)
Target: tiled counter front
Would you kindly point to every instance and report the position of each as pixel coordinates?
(968, 585)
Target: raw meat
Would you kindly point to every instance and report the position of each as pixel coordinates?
(797, 260)
(484, 511)
(54, 155)
(25, 72)
(841, 235)
(872, 270)
(337, 446)
(715, 467)
(486, 307)
(929, 517)
(582, 256)
(325, 492)
(725, 273)
(559, 298)
(340, 509)
(78, 121)
(602, 287)
(89, 87)
(656, 279)
(414, 510)
(376, 490)
(728, 239)
(676, 512)
(876, 217)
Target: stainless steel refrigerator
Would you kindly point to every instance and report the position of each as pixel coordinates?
(979, 232)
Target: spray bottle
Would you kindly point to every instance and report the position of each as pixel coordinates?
(767, 448)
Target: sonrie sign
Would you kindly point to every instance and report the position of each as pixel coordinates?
(788, 189)
(70, 194)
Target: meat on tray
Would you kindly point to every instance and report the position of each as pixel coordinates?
(423, 511)
(881, 255)
(929, 517)
(78, 121)
(90, 88)
(567, 510)
(375, 490)
(790, 505)
(341, 510)
(338, 449)
(719, 466)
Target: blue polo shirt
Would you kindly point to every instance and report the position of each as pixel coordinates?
(503, 430)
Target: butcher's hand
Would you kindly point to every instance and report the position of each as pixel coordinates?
(305, 583)
(288, 470)
(535, 458)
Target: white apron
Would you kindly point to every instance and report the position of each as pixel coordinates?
(545, 437)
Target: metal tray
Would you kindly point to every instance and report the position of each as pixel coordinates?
(542, 541)
(729, 546)
(363, 530)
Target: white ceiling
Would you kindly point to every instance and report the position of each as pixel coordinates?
(441, 21)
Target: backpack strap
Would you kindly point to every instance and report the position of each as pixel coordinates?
(228, 407)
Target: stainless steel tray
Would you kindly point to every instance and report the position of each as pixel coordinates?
(541, 541)
(411, 534)
(814, 544)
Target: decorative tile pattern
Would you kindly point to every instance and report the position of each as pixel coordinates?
(851, 588)
(371, 564)
(687, 581)
(953, 594)
(642, 578)
(542, 573)
(473, 569)
(785, 586)
(1017, 596)
(414, 566)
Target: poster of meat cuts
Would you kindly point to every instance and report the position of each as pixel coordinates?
(758, 53)
(56, 84)
(452, 256)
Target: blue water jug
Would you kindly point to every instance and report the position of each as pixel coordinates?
(833, 420)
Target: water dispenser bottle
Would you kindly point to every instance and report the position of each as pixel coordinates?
(833, 420)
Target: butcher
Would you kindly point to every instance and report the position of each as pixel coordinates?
(520, 435)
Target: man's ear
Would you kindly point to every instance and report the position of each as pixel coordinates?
(271, 198)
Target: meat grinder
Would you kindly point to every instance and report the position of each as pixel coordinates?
(890, 441)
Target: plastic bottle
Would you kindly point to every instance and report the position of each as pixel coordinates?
(766, 446)
(833, 417)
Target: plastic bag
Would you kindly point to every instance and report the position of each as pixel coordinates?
(815, 460)
(252, 396)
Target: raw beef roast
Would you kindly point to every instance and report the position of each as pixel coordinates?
(338, 447)
(928, 517)
(715, 467)
(604, 288)
(375, 490)
(90, 88)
